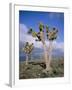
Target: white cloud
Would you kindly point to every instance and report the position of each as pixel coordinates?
(58, 45)
(23, 28)
(24, 37)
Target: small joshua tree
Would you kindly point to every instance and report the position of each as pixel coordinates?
(28, 49)
(51, 35)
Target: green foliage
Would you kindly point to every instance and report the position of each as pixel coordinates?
(34, 34)
(50, 34)
(41, 27)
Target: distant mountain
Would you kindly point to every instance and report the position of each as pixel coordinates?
(38, 53)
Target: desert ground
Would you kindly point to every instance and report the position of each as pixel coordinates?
(35, 69)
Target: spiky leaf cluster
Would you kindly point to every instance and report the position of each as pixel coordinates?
(28, 48)
(51, 33)
(32, 32)
(41, 27)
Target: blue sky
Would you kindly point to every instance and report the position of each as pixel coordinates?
(52, 19)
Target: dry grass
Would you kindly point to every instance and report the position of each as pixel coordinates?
(35, 69)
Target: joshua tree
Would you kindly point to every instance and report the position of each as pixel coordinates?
(28, 49)
(51, 35)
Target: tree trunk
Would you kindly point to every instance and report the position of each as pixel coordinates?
(50, 53)
(46, 58)
(27, 59)
(45, 52)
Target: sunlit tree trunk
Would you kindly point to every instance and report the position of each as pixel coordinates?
(47, 61)
(26, 59)
(49, 54)
(46, 57)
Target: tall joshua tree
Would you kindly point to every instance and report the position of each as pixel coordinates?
(28, 49)
(51, 35)
(42, 37)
